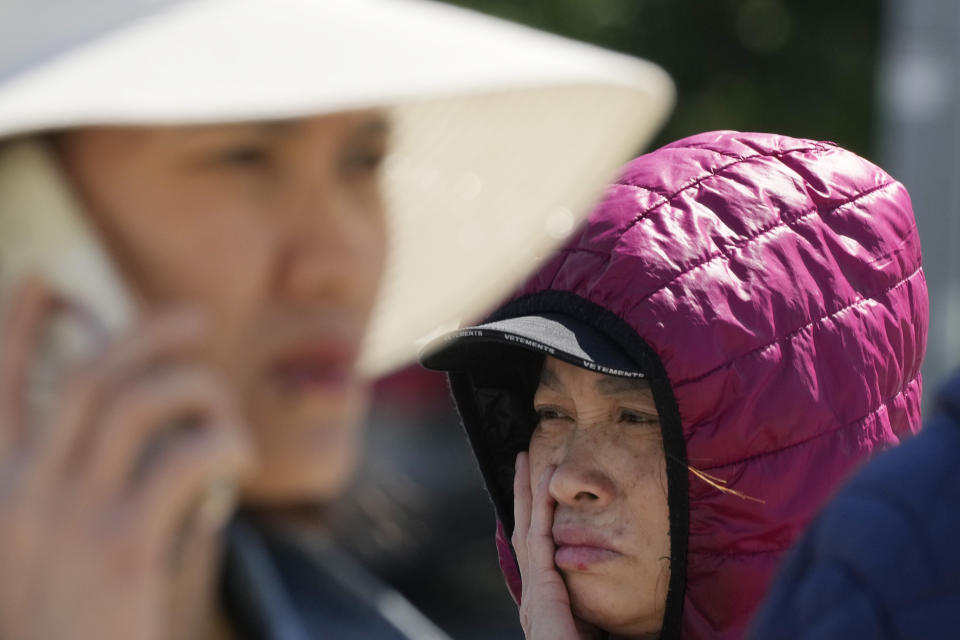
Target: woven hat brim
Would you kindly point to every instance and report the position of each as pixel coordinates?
(503, 136)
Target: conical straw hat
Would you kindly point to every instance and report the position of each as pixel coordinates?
(502, 136)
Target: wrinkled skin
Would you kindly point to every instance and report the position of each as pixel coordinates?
(591, 535)
(254, 253)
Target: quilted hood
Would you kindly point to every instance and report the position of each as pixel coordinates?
(772, 290)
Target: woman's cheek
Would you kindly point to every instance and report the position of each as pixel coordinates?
(542, 454)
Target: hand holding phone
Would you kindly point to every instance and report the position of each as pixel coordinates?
(93, 528)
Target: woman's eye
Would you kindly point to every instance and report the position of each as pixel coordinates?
(363, 162)
(639, 417)
(244, 156)
(550, 413)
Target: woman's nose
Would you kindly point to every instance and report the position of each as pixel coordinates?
(579, 480)
(308, 270)
(329, 251)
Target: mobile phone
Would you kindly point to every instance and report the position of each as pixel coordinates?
(44, 233)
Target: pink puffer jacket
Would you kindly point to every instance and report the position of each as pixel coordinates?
(774, 288)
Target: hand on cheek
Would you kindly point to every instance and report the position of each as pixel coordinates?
(545, 612)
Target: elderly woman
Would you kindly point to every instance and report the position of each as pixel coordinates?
(194, 190)
(660, 411)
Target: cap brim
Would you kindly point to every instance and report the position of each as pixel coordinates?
(555, 335)
(503, 136)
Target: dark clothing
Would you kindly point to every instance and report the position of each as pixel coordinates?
(882, 560)
(282, 586)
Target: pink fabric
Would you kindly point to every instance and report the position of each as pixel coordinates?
(780, 283)
(508, 563)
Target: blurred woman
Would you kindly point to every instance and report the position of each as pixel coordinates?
(196, 189)
(663, 407)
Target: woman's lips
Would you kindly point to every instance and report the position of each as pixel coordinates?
(314, 367)
(581, 557)
(579, 549)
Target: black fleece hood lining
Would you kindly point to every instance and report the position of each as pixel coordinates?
(505, 391)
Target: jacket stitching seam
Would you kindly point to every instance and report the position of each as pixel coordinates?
(573, 250)
(740, 243)
(743, 242)
(699, 179)
(791, 334)
(884, 405)
(818, 146)
(738, 158)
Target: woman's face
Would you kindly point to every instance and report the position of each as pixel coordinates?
(275, 232)
(612, 520)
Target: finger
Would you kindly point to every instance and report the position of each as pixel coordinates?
(540, 546)
(157, 340)
(181, 478)
(521, 505)
(21, 330)
(137, 425)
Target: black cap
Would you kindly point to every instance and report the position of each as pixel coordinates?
(555, 335)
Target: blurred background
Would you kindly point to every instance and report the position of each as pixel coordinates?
(877, 77)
